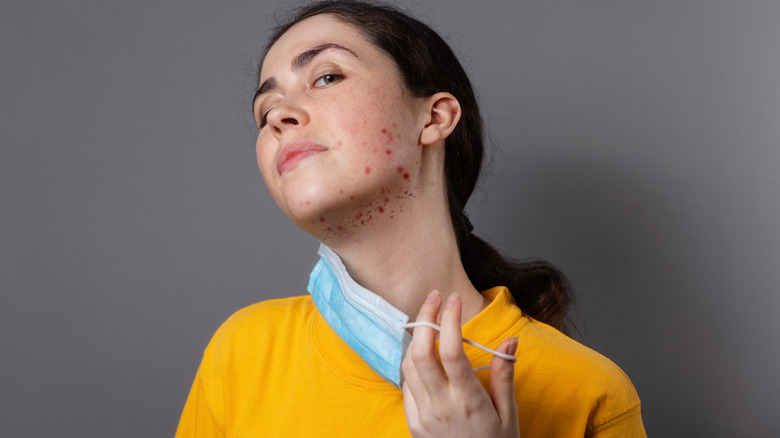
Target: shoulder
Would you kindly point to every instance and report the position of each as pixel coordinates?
(575, 376)
(261, 323)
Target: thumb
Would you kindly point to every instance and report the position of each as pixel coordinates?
(502, 383)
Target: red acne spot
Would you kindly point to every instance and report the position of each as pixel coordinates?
(329, 229)
(394, 125)
(322, 219)
(382, 190)
(341, 192)
(368, 170)
(308, 202)
(400, 170)
(362, 222)
(339, 143)
(351, 197)
(381, 210)
(341, 228)
(406, 176)
(388, 152)
(386, 200)
(391, 217)
(384, 131)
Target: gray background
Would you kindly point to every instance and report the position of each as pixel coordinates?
(637, 147)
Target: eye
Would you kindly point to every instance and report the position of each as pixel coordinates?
(328, 79)
(264, 119)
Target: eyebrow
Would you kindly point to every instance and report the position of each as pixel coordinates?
(299, 62)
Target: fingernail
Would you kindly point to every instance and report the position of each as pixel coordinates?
(452, 299)
(432, 296)
(513, 347)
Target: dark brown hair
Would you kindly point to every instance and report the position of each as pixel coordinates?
(427, 66)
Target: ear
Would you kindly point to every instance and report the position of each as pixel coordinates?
(443, 111)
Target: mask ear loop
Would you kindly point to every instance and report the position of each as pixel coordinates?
(468, 341)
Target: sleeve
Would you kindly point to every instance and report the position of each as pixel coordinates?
(198, 419)
(627, 425)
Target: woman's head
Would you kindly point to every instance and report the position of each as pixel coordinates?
(426, 65)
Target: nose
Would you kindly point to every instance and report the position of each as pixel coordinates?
(286, 115)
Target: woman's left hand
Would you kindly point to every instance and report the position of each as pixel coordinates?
(447, 399)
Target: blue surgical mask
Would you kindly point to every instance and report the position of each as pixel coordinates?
(371, 326)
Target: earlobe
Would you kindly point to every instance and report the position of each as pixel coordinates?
(444, 114)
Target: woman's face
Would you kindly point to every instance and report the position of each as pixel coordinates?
(338, 145)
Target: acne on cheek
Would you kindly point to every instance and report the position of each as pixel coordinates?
(366, 213)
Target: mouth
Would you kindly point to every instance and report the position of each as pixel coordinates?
(295, 152)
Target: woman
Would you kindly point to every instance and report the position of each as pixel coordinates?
(370, 140)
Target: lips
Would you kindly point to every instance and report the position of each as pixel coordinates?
(295, 152)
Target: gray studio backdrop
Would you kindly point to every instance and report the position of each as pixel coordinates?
(637, 146)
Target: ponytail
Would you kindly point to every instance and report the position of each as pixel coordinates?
(539, 289)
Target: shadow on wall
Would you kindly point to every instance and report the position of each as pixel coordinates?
(652, 283)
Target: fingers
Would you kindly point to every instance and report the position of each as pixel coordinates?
(502, 382)
(422, 351)
(453, 358)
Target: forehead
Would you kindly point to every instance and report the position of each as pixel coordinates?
(313, 31)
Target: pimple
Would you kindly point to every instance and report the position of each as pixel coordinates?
(381, 210)
(341, 192)
(339, 143)
(322, 219)
(388, 152)
(384, 131)
(406, 176)
(400, 170)
(368, 170)
(351, 198)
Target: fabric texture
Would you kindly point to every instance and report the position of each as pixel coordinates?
(276, 369)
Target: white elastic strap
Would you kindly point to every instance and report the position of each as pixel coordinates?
(468, 341)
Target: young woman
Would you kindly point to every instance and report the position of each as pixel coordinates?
(370, 140)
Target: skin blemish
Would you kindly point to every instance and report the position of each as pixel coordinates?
(351, 198)
(406, 176)
(381, 210)
(394, 125)
(322, 219)
(400, 170)
(339, 143)
(384, 131)
(308, 202)
(388, 152)
(386, 200)
(368, 170)
(341, 192)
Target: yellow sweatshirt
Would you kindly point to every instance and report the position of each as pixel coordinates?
(276, 369)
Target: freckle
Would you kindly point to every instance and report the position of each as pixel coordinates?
(406, 176)
(368, 170)
(381, 210)
(388, 152)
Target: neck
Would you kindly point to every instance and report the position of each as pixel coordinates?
(404, 258)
